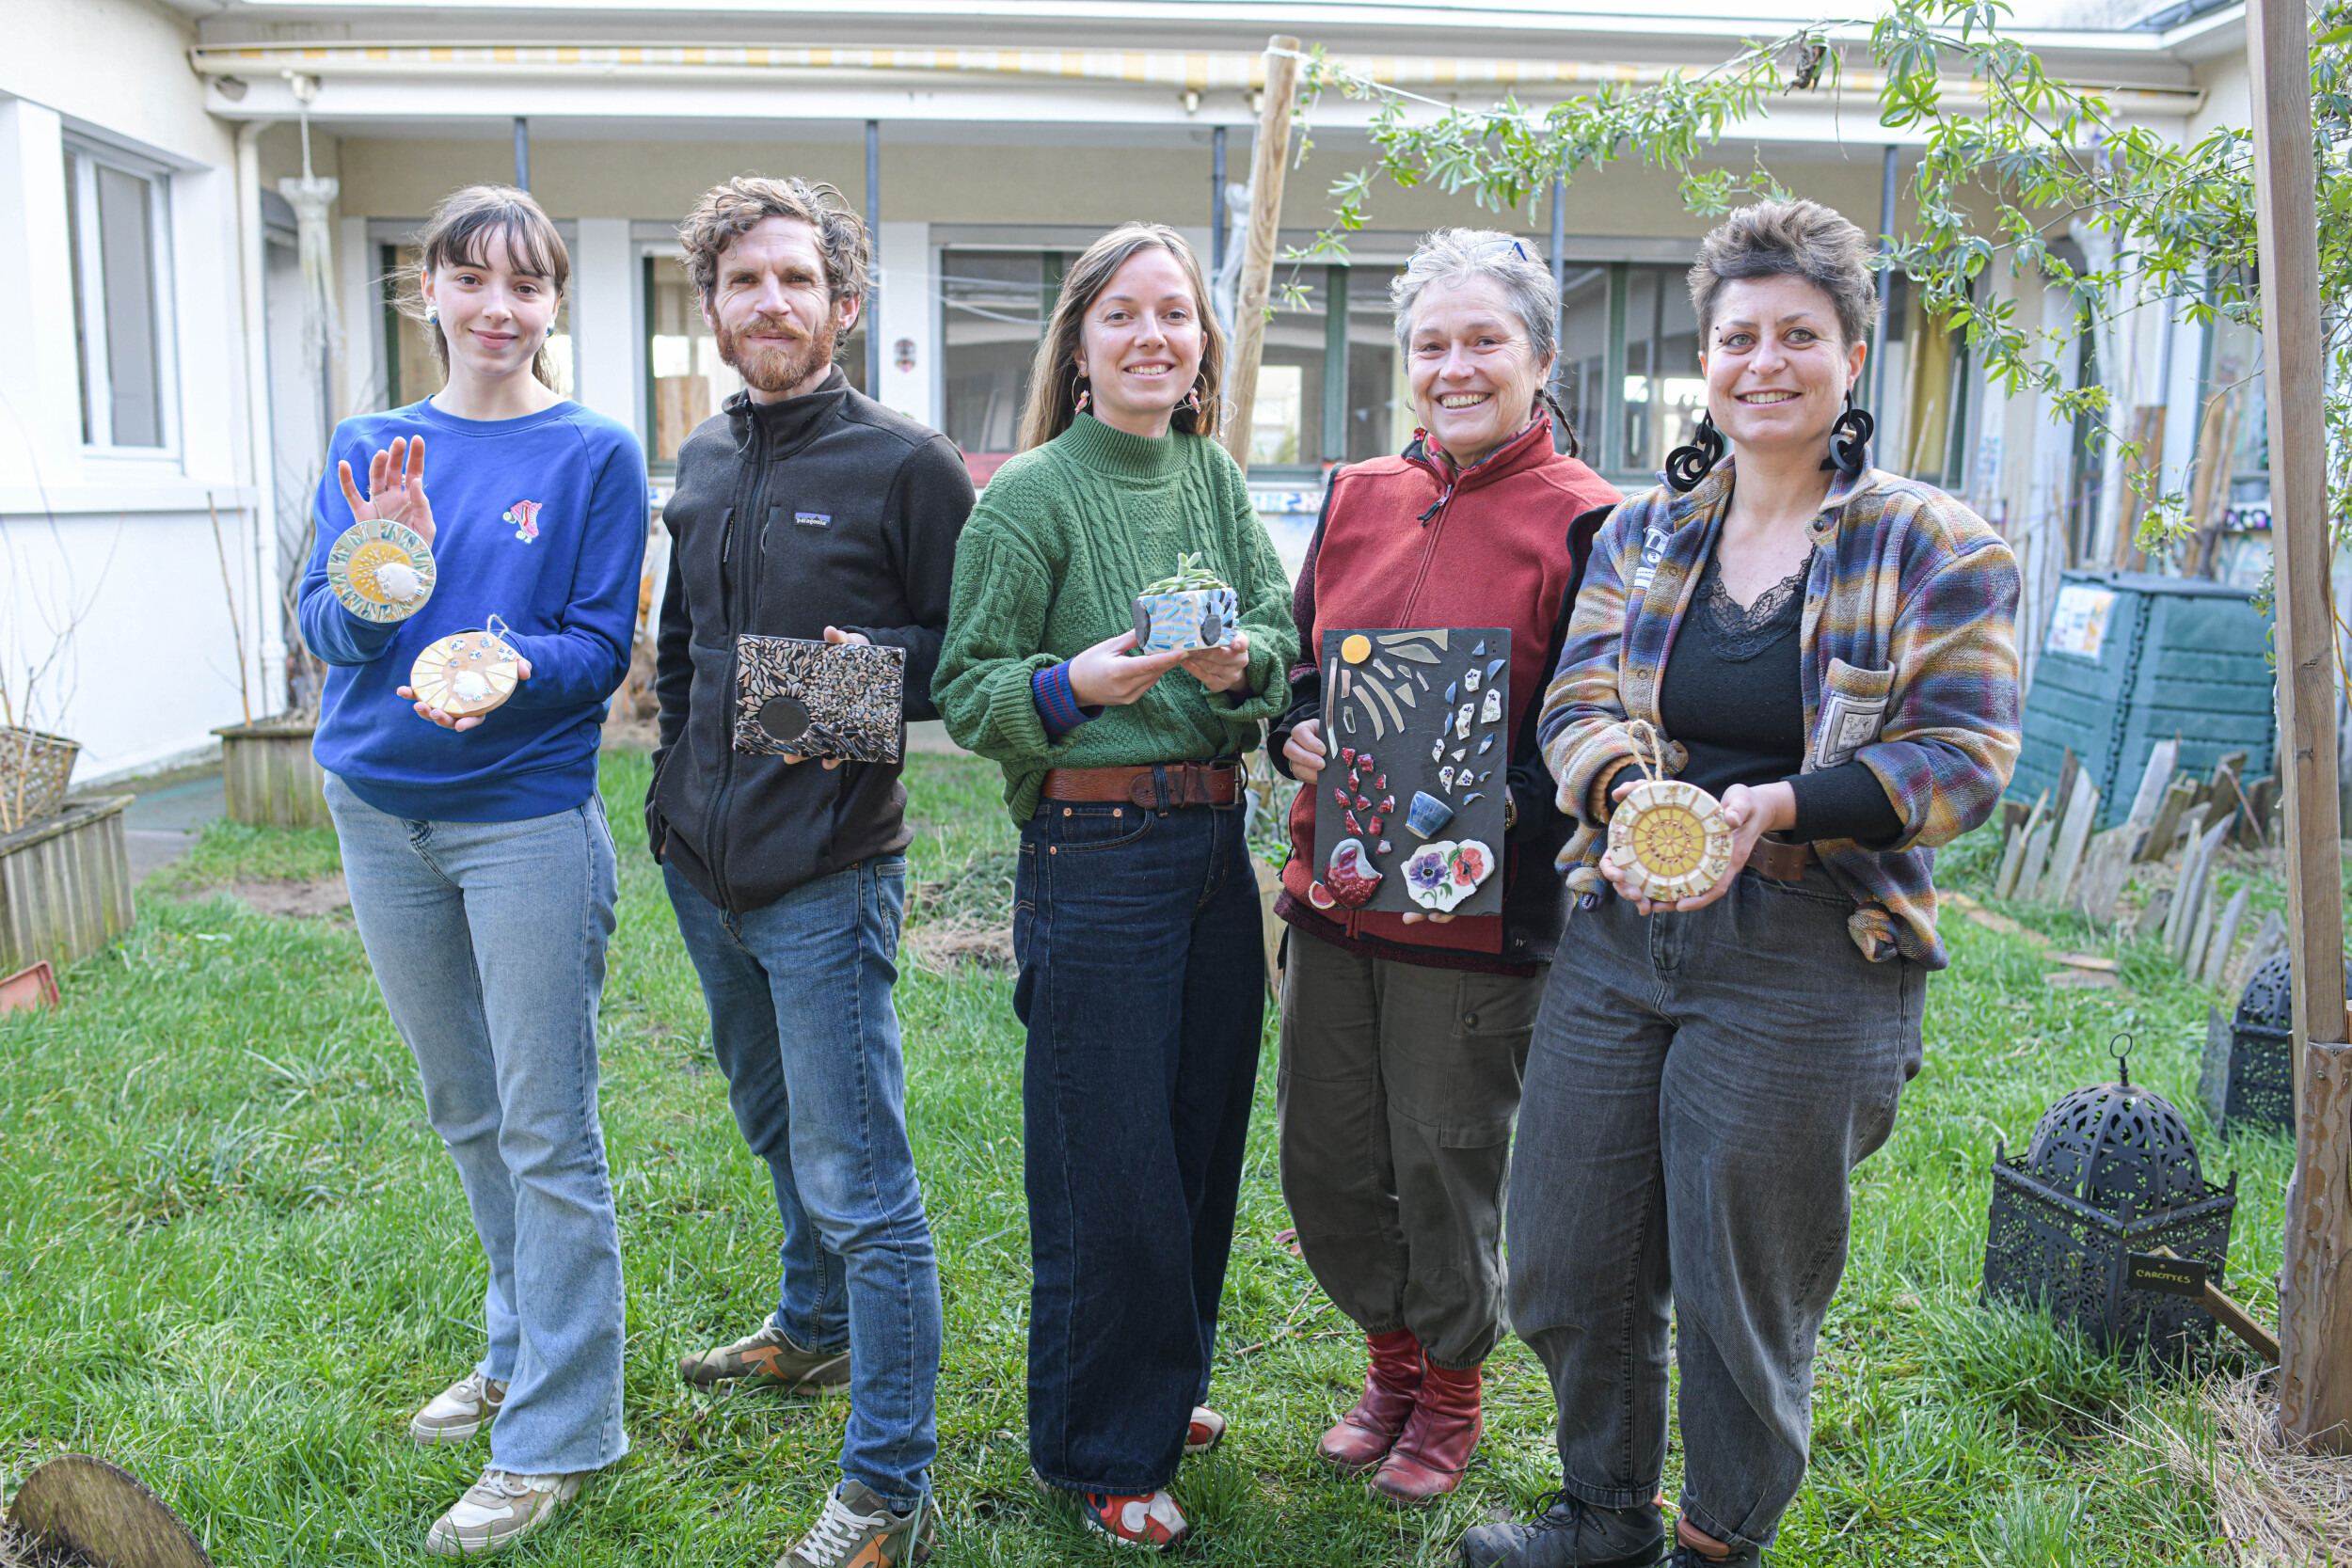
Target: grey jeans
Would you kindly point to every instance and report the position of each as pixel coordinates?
(1701, 1086)
(1397, 1087)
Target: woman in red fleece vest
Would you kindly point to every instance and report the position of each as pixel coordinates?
(1404, 1037)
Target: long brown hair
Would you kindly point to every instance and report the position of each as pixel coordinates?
(1054, 379)
(460, 232)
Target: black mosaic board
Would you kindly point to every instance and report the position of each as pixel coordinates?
(1427, 704)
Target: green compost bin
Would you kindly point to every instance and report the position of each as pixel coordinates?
(2130, 658)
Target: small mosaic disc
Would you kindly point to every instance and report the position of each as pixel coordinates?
(382, 571)
(1671, 839)
(471, 673)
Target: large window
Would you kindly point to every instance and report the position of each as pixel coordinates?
(993, 304)
(411, 373)
(1379, 411)
(1664, 392)
(1581, 382)
(115, 232)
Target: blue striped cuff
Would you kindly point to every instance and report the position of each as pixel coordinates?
(1057, 704)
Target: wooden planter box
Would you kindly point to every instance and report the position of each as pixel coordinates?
(271, 779)
(65, 884)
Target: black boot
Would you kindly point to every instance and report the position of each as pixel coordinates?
(1568, 1533)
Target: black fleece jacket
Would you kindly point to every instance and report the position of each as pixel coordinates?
(823, 510)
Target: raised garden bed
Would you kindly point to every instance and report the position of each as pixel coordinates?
(65, 884)
(271, 779)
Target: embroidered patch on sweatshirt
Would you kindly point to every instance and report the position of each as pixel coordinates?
(525, 516)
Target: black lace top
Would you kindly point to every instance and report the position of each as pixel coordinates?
(1733, 694)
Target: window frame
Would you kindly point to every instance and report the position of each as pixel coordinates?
(94, 372)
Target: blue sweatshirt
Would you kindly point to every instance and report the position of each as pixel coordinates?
(563, 574)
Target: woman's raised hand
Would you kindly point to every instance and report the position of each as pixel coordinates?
(1752, 811)
(1221, 669)
(1303, 749)
(1104, 677)
(395, 488)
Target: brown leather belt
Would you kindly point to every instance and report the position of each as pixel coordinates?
(1189, 784)
(1781, 862)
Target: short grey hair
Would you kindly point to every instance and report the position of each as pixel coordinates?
(1453, 256)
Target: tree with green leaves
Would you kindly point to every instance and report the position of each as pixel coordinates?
(2014, 160)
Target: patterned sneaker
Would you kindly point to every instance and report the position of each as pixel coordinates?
(497, 1511)
(1206, 1431)
(1146, 1521)
(858, 1530)
(460, 1410)
(769, 1359)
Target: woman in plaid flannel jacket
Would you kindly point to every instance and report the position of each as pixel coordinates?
(1830, 648)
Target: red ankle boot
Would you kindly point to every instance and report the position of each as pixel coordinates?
(1436, 1444)
(1366, 1434)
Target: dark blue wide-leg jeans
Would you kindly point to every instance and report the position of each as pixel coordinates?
(1143, 986)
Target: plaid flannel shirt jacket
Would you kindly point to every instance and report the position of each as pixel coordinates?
(1910, 664)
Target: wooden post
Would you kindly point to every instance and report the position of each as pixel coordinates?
(2315, 1283)
(1268, 163)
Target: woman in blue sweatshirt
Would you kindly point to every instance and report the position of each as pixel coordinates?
(480, 866)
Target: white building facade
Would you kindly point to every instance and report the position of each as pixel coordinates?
(168, 372)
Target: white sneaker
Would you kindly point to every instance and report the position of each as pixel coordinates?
(460, 1410)
(497, 1511)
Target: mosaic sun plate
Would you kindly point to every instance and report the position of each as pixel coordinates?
(381, 571)
(470, 673)
(1671, 839)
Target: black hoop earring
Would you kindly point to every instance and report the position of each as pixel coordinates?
(1849, 440)
(1687, 466)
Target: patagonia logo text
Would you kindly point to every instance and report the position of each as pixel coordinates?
(813, 519)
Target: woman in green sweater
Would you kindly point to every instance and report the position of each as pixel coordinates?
(1136, 919)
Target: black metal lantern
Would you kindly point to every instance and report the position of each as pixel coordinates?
(2111, 1171)
(2248, 1076)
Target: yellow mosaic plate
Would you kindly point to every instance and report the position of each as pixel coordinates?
(471, 673)
(1670, 839)
(382, 571)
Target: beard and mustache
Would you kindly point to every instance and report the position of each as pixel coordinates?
(775, 369)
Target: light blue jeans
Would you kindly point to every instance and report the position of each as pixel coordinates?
(803, 1024)
(488, 940)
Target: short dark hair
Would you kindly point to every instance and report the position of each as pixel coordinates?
(746, 202)
(1789, 239)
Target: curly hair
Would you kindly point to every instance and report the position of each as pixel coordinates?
(1790, 239)
(747, 200)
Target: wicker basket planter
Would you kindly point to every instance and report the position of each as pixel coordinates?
(65, 884)
(271, 779)
(34, 769)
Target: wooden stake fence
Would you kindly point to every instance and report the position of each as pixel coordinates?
(2316, 1284)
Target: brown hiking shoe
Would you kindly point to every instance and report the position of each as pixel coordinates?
(858, 1530)
(769, 1359)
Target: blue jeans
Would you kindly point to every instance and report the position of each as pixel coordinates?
(1143, 986)
(488, 940)
(802, 1021)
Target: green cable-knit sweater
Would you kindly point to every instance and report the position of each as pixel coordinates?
(1064, 537)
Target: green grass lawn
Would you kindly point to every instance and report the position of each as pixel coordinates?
(235, 1259)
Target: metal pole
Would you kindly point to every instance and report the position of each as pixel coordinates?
(1216, 203)
(1886, 285)
(522, 153)
(873, 237)
(1559, 268)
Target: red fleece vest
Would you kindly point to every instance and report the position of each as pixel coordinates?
(1494, 552)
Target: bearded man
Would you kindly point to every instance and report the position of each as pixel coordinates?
(806, 510)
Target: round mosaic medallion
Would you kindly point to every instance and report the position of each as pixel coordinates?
(382, 571)
(471, 673)
(1671, 839)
